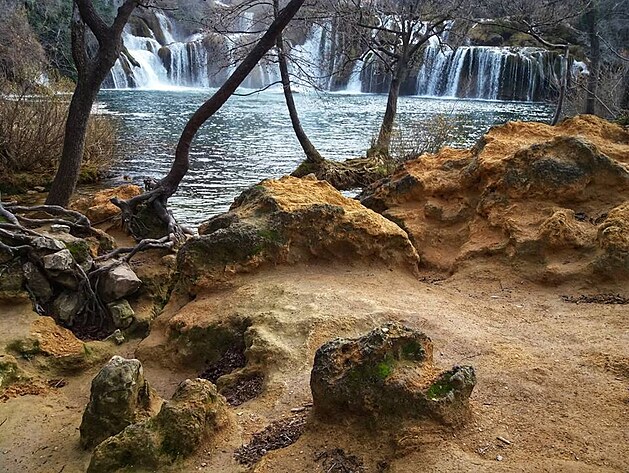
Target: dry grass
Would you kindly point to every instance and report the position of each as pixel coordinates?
(31, 141)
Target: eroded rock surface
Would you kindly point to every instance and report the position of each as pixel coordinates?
(534, 195)
(120, 396)
(287, 221)
(388, 373)
(194, 413)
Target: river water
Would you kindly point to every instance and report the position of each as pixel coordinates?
(251, 138)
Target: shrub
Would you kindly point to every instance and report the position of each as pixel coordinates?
(427, 136)
(31, 141)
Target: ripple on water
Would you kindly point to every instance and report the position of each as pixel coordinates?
(251, 138)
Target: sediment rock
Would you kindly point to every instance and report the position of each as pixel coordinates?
(388, 373)
(121, 313)
(98, 207)
(118, 282)
(194, 413)
(120, 396)
(287, 221)
(526, 193)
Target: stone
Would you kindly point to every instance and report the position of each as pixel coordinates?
(59, 261)
(528, 194)
(39, 189)
(120, 396)
(117, 337)
(118, 282)
(11, 279)
(388, 374)
(292, 221)
(37, 282)
(68, 305)
(10, 371)
(47, 243)
(183, 424)
(121, 313)
(98, 207)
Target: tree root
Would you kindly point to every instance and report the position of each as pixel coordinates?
(349, 174)
(17, 240)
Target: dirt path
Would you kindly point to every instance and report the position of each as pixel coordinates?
(553, 377)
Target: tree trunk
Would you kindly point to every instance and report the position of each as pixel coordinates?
(67, 175)
(591, 18)
(562, 87)
(169, 184)
(312, 155)
(383, 143)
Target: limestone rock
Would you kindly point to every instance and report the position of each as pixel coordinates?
(182, 425)
(67, 305)
(528, 193)
(47, 243)
(121, 313)
(613, 239)
(11, 279)
(59, 261)
(388, 373)
(119, 282)
(120, 396)
(98, 207)
(37, 282)
(9, 371)
(289, 221)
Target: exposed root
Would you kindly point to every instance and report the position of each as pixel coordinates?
(349, 174)
(17, 240)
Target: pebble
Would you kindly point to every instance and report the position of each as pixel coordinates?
(39, 189)
(499, 458)
(59, 228)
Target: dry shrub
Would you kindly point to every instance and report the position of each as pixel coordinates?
(427, 136)
(31, 141)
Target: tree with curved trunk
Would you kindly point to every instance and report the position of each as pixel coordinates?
(158, 192)
(312, 155)
(92, 69)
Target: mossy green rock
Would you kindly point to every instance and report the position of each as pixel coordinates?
(195, 411)
(387, 373)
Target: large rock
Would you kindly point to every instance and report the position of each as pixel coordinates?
(98, 207)
(120, 396)
(388, 374)
(182, 425)
(528, 193)
(37, 282)
(288, 221)
(118, 282)
(121, 313)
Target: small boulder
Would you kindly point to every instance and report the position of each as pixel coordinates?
(59, 261)
(182, 425)
(67, 305)
(47, 243)
(119, 282)
(121, 313)
(120, 396)
(37, 282)
(388, 373)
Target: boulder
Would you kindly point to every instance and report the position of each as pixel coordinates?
(121, 313)
(120, 396)
(290, 221)
(613, 239)
(37, 282)
(388, 374)
(68, 305)
(532, 195)
(181, 426)
(59, 261)
(98, 207)
(118, 282)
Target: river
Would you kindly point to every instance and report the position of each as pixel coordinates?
(251, 139)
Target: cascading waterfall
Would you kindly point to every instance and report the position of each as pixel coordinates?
(161, 60)
(494, 73)
(160, 56)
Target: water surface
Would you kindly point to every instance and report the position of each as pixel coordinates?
(251, 138)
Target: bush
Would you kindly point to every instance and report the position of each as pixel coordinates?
(31, 141)
(418, 138)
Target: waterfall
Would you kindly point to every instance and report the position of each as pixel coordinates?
(355, 85)
(494, 73)
(161, 59)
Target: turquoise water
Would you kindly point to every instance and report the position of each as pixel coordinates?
(251, 139)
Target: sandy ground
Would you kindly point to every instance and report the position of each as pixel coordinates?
(553, 377)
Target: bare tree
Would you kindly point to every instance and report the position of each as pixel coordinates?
(395, 32)
(92, 69)
(158, 192)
